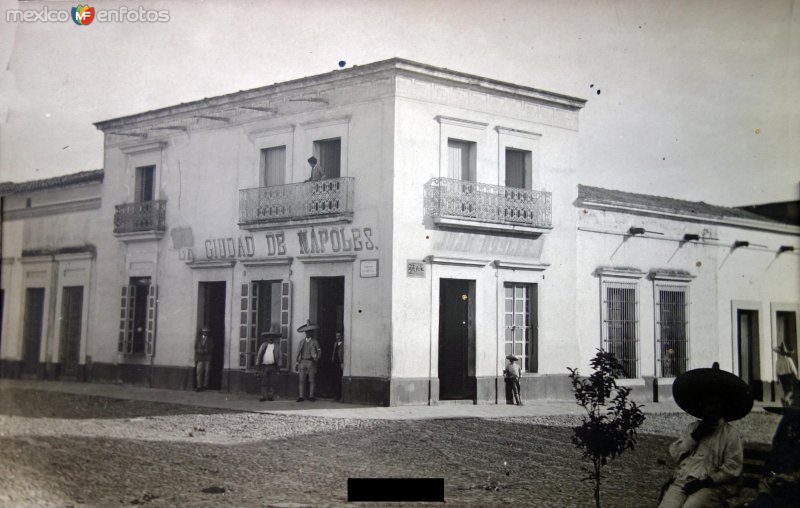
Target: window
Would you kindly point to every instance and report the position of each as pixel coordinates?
(264, 305)
(137, 326)
(520, 324)
(672, 318)
(329, 156)
(518, 169)
(273, 166)
(461, 159)
(620, 316)
(145, 183)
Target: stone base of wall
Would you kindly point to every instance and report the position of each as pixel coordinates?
(375, 391)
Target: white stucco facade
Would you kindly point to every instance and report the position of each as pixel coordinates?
(452, 232)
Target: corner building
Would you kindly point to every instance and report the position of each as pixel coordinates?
(450, 231)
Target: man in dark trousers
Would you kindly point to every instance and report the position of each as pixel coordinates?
(268, 358)
(307, 356)
(337, 359)
(203, 347)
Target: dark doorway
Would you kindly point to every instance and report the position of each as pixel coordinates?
(71, 321)
(32, 330)
(456, 339)
(139, 287)
(211, 313)
(327, 310)
(749, 360)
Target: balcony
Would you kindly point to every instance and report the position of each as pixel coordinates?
(461, 204)
(321, 202)
(143, 220)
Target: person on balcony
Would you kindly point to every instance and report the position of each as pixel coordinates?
(317, 172)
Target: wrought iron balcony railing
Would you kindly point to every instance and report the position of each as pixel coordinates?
(448, 198)
(296, 201)
(140, 217)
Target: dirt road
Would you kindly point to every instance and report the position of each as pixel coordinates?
(69, 450)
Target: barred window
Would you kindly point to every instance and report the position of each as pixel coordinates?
(672, 304)
(620, 315)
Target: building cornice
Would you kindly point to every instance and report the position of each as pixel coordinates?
(76, 205)
(387, 69)
(786, 229)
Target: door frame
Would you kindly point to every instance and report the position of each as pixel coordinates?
(469, 391)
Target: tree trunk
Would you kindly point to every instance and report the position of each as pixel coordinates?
(597, 484)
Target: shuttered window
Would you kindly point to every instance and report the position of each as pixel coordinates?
(461, 160)
(329, 156)
(273, 166)
(138, 317)
(518, 169)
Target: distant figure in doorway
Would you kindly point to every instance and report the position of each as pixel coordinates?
(709, 452)
(307, 357)
(511, 375)
(268, 358)
(317, 173)
(337, 359)
(203, 348)
(786, 371)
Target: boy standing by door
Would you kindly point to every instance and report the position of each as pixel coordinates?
(337, 359)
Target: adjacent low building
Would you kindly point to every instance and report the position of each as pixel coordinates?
(449, 231)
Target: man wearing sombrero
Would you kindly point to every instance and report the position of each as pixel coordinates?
(307, 357)
(709, 452)
(786, 372)
(268, 356)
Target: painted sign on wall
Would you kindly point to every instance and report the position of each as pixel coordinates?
(309, 241)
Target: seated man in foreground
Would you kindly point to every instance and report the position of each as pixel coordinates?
(709, 452)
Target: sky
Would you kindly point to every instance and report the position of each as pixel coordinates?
(696, 100)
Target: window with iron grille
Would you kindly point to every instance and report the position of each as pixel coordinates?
(672, 326)
(520, 324)
(620, 314)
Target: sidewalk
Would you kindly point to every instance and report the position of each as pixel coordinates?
(320, 408)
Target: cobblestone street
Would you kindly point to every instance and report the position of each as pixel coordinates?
(62, 449)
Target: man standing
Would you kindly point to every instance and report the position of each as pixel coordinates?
(268, 356)
(337, 359)
(203, 348)
(786, 372)
(307, 357)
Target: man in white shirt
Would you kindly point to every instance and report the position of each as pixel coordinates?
(786, 372)
(268, 356)
(709, 453)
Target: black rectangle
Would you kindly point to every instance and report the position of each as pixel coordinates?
(395, 490)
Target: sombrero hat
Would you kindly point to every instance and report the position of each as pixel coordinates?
(512, 358)
(272, 333)
(783, 350)
(693, 388)
(307, 327)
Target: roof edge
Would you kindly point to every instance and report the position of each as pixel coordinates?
(81, 177)
(396, 63)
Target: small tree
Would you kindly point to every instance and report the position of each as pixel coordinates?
(609, 427)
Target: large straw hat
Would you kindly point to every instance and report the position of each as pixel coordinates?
(274, 332)
(783, 350)
(512, 358)
(307, 327)
(693, 388)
